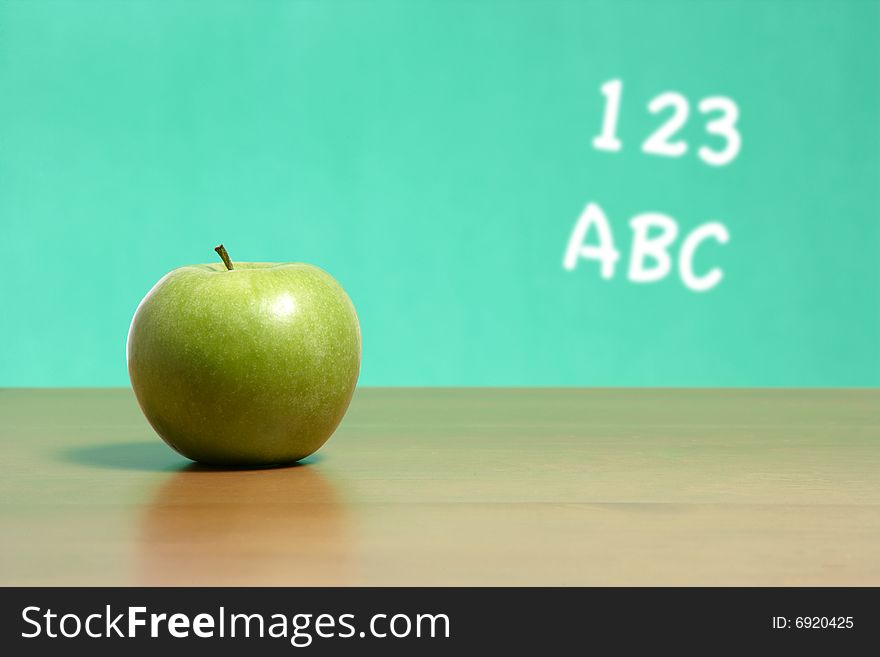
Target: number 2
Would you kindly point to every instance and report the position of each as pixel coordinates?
(658, 143)
(725, 126)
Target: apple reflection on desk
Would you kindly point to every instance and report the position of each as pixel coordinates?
(267, 527)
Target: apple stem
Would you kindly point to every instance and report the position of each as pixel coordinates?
(221, 251)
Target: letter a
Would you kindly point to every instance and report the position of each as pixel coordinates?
(603, 251)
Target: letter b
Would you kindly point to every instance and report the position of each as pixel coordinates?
(656, 247)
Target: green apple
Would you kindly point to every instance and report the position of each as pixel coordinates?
(247, 364)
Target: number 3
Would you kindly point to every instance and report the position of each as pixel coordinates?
(725, 126)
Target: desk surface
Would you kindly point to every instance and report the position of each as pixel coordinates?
(458, 487)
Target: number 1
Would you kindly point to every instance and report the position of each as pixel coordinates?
(607, 140)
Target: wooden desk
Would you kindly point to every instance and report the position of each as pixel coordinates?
(458, 486)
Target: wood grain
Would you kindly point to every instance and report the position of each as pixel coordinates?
(458, 486)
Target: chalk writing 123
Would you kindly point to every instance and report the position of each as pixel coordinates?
(662, 141)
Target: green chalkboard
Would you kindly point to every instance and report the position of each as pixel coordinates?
(512, 192)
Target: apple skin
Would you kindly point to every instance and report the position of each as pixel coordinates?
(249, 367)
